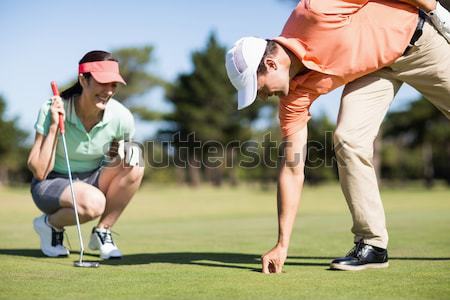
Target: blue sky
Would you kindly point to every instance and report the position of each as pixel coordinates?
(42, 40)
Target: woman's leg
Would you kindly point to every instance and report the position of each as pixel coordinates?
(118, 184)
(90, 204)
(54, 198)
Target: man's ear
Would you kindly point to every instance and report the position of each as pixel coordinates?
(270, 63)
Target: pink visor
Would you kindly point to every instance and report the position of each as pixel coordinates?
(102, 71)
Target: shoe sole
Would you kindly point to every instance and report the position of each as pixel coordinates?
(36, 227)
(111, 257)
(358, 268)
(95, 248)
(104, 257)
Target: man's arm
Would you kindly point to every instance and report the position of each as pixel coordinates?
(439, 16)
(425, 5)
(290, 184)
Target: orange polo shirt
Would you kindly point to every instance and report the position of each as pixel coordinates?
(339, 41)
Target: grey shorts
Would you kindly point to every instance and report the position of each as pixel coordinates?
(46, 193)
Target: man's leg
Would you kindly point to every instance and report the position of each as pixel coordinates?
(364, 104)
(426, 67)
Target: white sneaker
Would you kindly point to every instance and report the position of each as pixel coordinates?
(101, 239)
(51, 239)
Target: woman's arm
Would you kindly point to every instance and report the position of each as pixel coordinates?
(42, 155)
(41, 159)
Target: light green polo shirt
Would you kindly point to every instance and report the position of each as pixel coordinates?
(86, 150)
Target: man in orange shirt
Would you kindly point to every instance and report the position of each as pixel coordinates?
(370, 46)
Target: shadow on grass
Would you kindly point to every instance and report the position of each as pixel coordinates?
(207, 259)
(35, 253)
(390, 258)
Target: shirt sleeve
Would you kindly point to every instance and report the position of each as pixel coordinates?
(294, 111)
(44, 119)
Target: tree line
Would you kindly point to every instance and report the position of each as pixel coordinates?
(205, 139)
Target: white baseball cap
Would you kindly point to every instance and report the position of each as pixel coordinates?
(242, 62)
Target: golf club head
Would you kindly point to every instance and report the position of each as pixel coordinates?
(86, 264)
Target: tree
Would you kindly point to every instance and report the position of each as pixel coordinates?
(134, 68)
(321, 162)
(205, 111)
(423, 126)
(12, 150)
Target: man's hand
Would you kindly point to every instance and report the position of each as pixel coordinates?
(273, 261)
(440, 17)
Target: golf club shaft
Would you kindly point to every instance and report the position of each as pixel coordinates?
(74, 200)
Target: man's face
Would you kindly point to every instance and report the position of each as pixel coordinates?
(275, 82)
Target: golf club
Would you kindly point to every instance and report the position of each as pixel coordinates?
(79, 263)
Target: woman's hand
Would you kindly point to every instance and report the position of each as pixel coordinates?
(57, 108)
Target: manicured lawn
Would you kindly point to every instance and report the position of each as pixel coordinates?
(205, 243)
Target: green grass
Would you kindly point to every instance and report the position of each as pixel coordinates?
(205, 243)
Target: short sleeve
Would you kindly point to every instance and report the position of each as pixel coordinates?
(44, 119)
(294, 111)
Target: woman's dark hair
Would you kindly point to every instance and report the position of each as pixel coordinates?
(96, 55)
(271, 49)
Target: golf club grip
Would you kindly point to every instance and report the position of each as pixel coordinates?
(56, 93)
(54, 88)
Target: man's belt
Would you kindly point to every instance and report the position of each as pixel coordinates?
(418, 32)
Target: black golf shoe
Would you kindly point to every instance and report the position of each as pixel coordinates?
(362, 257)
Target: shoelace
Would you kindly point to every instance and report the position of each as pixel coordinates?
(57, 237)
(355, 251)
(105, 237)
(361, 250)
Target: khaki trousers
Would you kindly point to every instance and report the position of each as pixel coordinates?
(364, 103)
